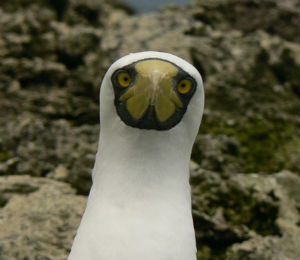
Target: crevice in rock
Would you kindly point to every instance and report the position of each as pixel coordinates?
(21, 188)
(59, 6)
(71, 62)
(198, 65)
(89, 14)
(213, 238)
(3, 200)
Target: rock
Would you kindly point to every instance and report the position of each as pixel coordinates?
(155, 31)
(38, 147)
(61, 173)
(217, 153)
(274, 17)
(94, 13)
(49, 69)
(39, 218)
(246, 216)
(266, 248)
(74, 42)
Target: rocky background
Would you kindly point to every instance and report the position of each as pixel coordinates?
(245, 169)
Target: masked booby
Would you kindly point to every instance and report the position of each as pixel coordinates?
(139, 206)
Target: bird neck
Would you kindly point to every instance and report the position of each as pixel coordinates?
(139, 206)
(151, 163)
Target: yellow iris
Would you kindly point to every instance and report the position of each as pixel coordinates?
(124, 79)
(184, 86)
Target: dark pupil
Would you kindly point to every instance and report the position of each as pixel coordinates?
(125, 78)
(183, 85)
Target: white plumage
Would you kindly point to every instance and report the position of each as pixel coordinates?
(139, 206)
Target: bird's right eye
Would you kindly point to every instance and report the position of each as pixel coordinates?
(124, 79)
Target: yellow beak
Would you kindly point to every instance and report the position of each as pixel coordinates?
(154, 86)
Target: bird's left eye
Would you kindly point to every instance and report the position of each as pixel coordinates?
(184, 86)
(124, 79)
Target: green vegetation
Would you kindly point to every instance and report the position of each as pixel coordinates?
(4, 154)
(204, 252)
(266, 146)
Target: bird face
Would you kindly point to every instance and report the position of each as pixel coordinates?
(152, 93)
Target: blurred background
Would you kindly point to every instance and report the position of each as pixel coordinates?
(245, 161)
(144, 6)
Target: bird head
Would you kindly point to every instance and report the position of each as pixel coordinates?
(153, 90)
(151, 99)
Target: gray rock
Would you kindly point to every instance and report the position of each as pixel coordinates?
(156, 31)
(272, 16)
(217, 153)
(246, 216)
(49, 69)
(91, 12)
(39, 218)
(38, 147)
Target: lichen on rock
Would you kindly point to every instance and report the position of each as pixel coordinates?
(246, 216)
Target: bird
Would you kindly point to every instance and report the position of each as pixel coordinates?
(139, 205)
